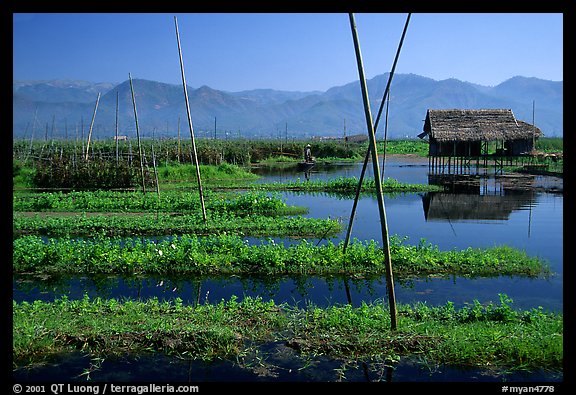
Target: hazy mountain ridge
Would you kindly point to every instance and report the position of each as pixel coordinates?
(65, 107)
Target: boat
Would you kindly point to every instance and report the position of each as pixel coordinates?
(306, 165)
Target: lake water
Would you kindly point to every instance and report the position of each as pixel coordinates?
(481, 210)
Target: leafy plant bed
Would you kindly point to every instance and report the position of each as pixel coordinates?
(235, 255)
(348, 185)
(490, 336)
(148, 224)
(245, 203)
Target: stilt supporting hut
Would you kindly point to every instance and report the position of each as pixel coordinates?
(458, 139)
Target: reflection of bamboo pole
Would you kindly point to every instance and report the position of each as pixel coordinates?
(91, 126)
(190, 123)
(137, 134)
(376, 169)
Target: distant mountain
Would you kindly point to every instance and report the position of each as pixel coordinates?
(59, 91)
(64, 108)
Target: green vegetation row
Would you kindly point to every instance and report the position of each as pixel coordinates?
(493, 336)
(173, 177)
(148, 224)
(101, 173)
(231, 254)
(183, 202)
(261, 199)
(348, 185)
(238, 151)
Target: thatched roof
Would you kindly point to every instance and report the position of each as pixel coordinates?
(476, 125)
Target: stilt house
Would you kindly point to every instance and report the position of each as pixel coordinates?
(466, 133)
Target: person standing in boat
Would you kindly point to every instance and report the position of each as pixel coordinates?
(308, 153)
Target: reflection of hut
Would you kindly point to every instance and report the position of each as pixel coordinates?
(457, 136)
(440, 206)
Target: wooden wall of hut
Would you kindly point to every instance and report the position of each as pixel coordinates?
(454, 148)
(518, 147)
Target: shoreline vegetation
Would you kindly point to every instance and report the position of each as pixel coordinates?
(73, 216)
(494, 336)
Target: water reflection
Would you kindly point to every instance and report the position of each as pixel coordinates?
(475, 211)
(482, 210)
(475, 198)
(294, 290)
(282, 364)
(291, 172)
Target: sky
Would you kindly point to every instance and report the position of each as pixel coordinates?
(285, 51)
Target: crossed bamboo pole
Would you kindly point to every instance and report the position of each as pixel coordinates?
(376, 169)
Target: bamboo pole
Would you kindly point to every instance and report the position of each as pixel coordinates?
(91, 126)
(385, 136)
(179, 144)
(137, 133)
(156, 177)
(190, 122)
(53, 129)
(367, 156)
(116, 129)
(82, 133)
(376, 169)
(32, 135)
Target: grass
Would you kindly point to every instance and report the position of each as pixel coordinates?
(488, 336)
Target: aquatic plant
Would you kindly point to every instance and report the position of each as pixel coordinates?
(347, 185)
(233, 254)
(493, 336)
(163, 224)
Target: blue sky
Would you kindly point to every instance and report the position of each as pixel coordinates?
(285, 51)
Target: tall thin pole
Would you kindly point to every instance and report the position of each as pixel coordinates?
(117, 94)
(367, 156)
(53, 130)
(32, 135)
(385, 136)
(137, 134)
(376, 169)
(190, 123)
(156, 175)
(92, 125)
(533, 124)
(82, 132)
(179, 146)
(345, 139)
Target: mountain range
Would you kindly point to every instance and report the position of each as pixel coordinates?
(64, 108)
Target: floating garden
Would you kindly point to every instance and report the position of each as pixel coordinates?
(73, 216)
